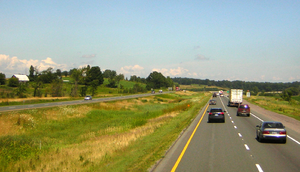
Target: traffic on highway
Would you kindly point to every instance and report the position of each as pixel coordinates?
(233, 145)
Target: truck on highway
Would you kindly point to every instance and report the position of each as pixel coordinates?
(235, 97)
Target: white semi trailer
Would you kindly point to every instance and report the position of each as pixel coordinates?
(235, 97)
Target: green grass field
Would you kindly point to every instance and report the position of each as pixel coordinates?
(277, 104)
(127, 135)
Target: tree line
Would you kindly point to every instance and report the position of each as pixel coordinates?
(86, 80)
(287, 89)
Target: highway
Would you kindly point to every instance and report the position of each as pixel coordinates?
(230, 146)
(73, 102)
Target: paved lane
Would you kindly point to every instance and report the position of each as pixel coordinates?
(229, 146)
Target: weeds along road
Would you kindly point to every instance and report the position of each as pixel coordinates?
(74, 102)
(231, 146)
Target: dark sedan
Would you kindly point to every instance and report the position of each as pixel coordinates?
(271, 130)
(216, 114)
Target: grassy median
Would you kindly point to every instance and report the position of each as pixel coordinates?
(126, 135)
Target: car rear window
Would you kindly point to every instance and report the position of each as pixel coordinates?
(244, 107)
(216, 110)
(273, 125)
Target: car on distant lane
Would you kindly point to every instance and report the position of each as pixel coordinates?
(88, 98)
(216, 114)
(271, 130)
(212, 102)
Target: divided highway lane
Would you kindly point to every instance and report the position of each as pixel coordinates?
(52, 104)
(229, 146)
(271, 156)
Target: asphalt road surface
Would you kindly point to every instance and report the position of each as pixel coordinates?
(230, 146)
(74, 102)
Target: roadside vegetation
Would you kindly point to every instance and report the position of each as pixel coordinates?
(277, 103)
(126, 135)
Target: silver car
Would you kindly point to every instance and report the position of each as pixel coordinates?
(271, 130)
(88, 98)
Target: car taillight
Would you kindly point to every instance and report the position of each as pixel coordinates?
(221, 113)
(266, 132)
(282, 132)
(210, 113)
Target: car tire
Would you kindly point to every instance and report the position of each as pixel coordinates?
(237, 114)
(260, 139)
(224, 121)
(284, 141)
(248, 115)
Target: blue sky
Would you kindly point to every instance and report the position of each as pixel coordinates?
(216, 40)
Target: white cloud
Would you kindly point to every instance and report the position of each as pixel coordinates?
(132, 70)
(13, 65)
(179, 71)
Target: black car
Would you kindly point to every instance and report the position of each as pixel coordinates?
(216, 114)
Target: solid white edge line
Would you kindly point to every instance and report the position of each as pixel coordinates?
(259, 168)
(293, 139)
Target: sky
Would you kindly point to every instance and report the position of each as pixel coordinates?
(251, 40)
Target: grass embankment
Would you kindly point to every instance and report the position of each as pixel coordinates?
(127, 135)
(277, 104)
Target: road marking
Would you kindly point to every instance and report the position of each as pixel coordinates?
(247, 147)
(293, 139)
(240, 134)
(232, 121)
(188, 142)
(235, 127)
(259, 168)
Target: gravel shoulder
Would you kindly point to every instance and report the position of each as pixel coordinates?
(289, 122)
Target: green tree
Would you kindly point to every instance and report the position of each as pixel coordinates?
(93, 86)
(21, 90)
(47, 76)
(109, 74)
(13, 82)
(76, 74)
(255, 90)
(287, 95)
(119, 77)
(36, 85)
(58, 73)
(94, 74)
(65, 73)
(56, 88)
(111, 83)
(2, 79)
(156, 80)
(31, 73)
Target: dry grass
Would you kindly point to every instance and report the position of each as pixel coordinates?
(93, 151)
